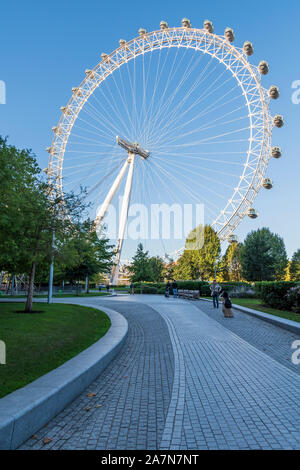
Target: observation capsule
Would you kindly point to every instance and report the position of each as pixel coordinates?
(208, 26)
(278, 121)
(163, 25)
(263, 67)
(276, 152)
(248, 48)
(267, 183)
(252, 213)
(229, 34)
(186, 23)
(274, 92)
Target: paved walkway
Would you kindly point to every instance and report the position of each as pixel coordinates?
(186, 379)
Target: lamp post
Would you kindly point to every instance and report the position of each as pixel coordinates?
(50, 285)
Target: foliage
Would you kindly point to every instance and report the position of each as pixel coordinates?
(90, 254)
(232, 263)
(293, 296)
(30, 213)
(169, 273)
(199, 263)
(263, 256)
(157, 268)
(274, 294)
(144, 268)
(295, 266)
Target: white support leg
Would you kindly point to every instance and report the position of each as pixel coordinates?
(111, 194)
(123, 218)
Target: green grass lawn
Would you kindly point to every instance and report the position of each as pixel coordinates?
(37, 343)
(44, 296)
(256, 304)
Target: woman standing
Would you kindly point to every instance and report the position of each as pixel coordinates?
(226, 305)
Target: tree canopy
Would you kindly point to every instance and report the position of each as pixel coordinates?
(31, 211)
(145, 268)
(232, 263)
(263, 256)
(199, 262)
(295, 266)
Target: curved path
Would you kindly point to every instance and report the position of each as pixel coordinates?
(186, 379)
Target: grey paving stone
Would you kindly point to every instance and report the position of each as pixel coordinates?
(193, 381)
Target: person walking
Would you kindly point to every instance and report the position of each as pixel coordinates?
(226, 305)
(215, 292)
(167, 290)
(175, 289)
(131, 288)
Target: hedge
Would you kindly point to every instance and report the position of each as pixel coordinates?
(274, 294)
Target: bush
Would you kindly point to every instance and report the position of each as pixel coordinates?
(242, 295)
(274, 294)
(144, 289)
(293, 296)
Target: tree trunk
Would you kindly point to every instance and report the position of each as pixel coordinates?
(87, 284)
(77, 288)
(28, 307)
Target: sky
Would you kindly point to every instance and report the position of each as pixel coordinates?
(46, 46)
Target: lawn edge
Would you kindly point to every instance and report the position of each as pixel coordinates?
(284, 323)
(24, 411)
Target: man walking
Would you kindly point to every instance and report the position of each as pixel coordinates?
(175, 289)
(215, 291)
(132, 289)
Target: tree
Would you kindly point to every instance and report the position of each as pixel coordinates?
(30, 211)
(187, 266)
(18, 173)
(232, 263)
(157, 268)
(169, 272)
(140, 268)
(263, 256)
(90, 254)
(295, 266)
(200, 261)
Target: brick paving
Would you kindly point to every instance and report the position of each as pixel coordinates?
(270, 339)
(186, 379)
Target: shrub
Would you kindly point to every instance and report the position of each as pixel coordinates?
(145, 289)
(274, 294)
(293, 296)
(242, 295)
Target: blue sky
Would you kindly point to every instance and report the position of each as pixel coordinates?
(46, 46)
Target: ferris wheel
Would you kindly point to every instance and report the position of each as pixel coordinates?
(177, 114)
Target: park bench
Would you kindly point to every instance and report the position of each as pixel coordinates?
(189, 294)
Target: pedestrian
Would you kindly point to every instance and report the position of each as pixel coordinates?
(132, 289)
(175, 288)
(226, 305)
(215, 292)
(107, 287)
(167, 289)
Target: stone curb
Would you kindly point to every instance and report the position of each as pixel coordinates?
(284, 323)
(25, 411)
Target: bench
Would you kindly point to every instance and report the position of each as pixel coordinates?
(189, 294)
